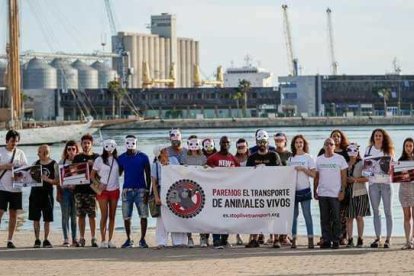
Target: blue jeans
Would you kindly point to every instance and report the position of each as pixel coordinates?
(306, 210)
(330, 222)
(131, 197)
(378, 191)
(68, 210)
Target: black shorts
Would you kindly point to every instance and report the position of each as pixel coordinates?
(11, 200)
(41, 205)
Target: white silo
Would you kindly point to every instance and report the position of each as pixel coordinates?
(87, 76)
(67, 76)
(105, 74)
(39, 75)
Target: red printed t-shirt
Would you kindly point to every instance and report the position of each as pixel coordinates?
(220, 160)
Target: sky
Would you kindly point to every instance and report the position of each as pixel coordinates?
(368, 34)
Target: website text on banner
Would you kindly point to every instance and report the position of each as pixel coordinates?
(228, 200)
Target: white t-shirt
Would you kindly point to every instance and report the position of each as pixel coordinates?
(371, 151)
(304, 160)
(6, 182)
(103, 172)
(330, 174)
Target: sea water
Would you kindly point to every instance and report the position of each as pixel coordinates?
(148, 139)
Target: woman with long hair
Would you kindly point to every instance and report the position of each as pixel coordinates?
(357, 194)
(66, 198)
(242, 153)
(305, 167)
(380, 144)
(106, 171)
(406, 194)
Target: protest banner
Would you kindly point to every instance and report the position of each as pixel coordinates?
(27, 176)
(74, 174)
(403, 171)
(378, 169)
(228, 200)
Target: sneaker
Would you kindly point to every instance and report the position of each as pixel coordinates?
(10, 245)
(387, 244)
(218, 245)
(253, 244)
(360, 243)
(376, 243)
(37, 244)
(103, 245)
(111, 245)
(203, 242)
(128, 244)
(47, 244)
(190, 243)
(325, 245)
(350, 243)
(277, 244)
(93, 242)
(82, 242)
(406, 246)
(143, 244)
(66, 243)
(335, 245)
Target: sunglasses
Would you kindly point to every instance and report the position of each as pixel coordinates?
(71, 149)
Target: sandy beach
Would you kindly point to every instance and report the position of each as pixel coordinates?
(25, 260)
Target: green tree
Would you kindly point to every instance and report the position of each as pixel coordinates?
(118, 93)
(385, 94)
(244, 88)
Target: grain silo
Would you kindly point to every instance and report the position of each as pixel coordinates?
(105, 73)
(87, 76)
(39, 75)
(67, 76)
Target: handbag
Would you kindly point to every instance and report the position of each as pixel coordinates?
(96, 185)
(154, 208)
(303, 195)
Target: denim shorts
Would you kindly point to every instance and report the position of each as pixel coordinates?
(131, 196)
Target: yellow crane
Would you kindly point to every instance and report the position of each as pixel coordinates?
(198, 82)
(148, 82)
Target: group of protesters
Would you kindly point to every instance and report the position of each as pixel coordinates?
(339, 185)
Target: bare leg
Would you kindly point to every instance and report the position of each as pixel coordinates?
(407, 223)
(81, 223)
(103, 206)
(112, 213)
(47, 229)
(36, 228)
(360, 226)
(349, 227)
(127, 225)
(12, 223)
(92, 225)
(144, 223)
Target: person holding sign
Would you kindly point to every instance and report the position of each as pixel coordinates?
(222, 158)
(263, 157)
(329, 189)
(41, 198)
(305, 167)
(11, 198)
(66, 198)
(106, 169)
(84, 195)
(406, 195)
(380, 144)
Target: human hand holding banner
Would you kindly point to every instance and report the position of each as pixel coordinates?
(403, 172)
(74, 174)
(27, 176)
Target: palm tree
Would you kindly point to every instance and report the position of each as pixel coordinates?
(243, 89)
(117, 93)
(385, 94)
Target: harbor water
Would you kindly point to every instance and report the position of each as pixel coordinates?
(147, 139)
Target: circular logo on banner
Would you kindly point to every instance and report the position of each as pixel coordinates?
(185, 198)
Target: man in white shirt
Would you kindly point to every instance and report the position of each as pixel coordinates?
(10, 156)
(329, 189)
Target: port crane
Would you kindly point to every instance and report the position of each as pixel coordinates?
(198, 82)
(334, 63)
(292, 61)
(148, 82)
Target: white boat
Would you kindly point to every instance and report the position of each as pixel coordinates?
(31, 136)
(50, 135)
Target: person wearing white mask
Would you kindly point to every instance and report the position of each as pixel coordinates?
(176, 149)
(106, 168)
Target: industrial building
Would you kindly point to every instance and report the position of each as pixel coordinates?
(160, 50)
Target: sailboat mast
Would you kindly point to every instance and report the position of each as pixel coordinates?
(14, 64)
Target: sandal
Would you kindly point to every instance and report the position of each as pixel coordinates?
(376, 243)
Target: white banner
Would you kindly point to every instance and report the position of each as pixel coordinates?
(241, 200)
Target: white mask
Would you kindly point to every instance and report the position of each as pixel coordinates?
(262, 135)
(193, 144)
(208, 145)
(131, 143)
(109, 145)
(175, 135)
(352, 150)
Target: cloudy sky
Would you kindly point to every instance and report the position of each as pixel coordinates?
(368, 33)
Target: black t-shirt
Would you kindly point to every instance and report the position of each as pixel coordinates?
(284, 156)
(344, 153)
(271, 158)
(81, 158)
(42, 197)
(255, 149)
